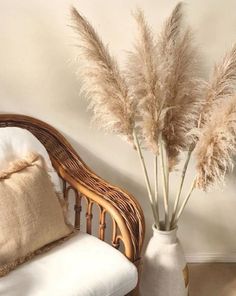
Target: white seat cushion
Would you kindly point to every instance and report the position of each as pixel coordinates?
(82, 266)
(16, 143)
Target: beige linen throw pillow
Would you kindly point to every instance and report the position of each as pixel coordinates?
(30, 214)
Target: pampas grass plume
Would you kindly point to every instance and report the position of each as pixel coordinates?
(142, 75)
(104, 83)
(217, 145)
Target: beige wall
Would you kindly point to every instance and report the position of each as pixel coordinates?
(37, 77)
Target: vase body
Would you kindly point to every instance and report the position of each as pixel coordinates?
(164, 271)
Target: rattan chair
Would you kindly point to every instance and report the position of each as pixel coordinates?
(127, 216)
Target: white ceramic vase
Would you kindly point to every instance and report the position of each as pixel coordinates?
(164, 271)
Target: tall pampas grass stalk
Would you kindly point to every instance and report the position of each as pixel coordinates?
(142, 76)
(154, 205)
(159, 103)
(218, 91)
(112, 103)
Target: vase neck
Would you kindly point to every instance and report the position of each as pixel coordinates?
(164, 236)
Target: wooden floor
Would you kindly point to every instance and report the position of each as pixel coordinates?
(217, 279)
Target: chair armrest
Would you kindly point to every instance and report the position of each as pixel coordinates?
(121, 205)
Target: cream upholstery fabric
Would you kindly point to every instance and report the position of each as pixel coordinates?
(17, 142)
(82, 266)
(30, 213)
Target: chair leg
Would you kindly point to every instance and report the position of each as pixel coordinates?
(135, 292)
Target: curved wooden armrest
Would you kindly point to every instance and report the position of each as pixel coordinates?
(122, 206)
(124, 209)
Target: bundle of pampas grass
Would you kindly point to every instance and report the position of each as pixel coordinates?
(159, 103)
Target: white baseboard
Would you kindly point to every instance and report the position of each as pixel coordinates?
(211, 257)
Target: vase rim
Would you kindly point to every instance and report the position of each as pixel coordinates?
(163, 232)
